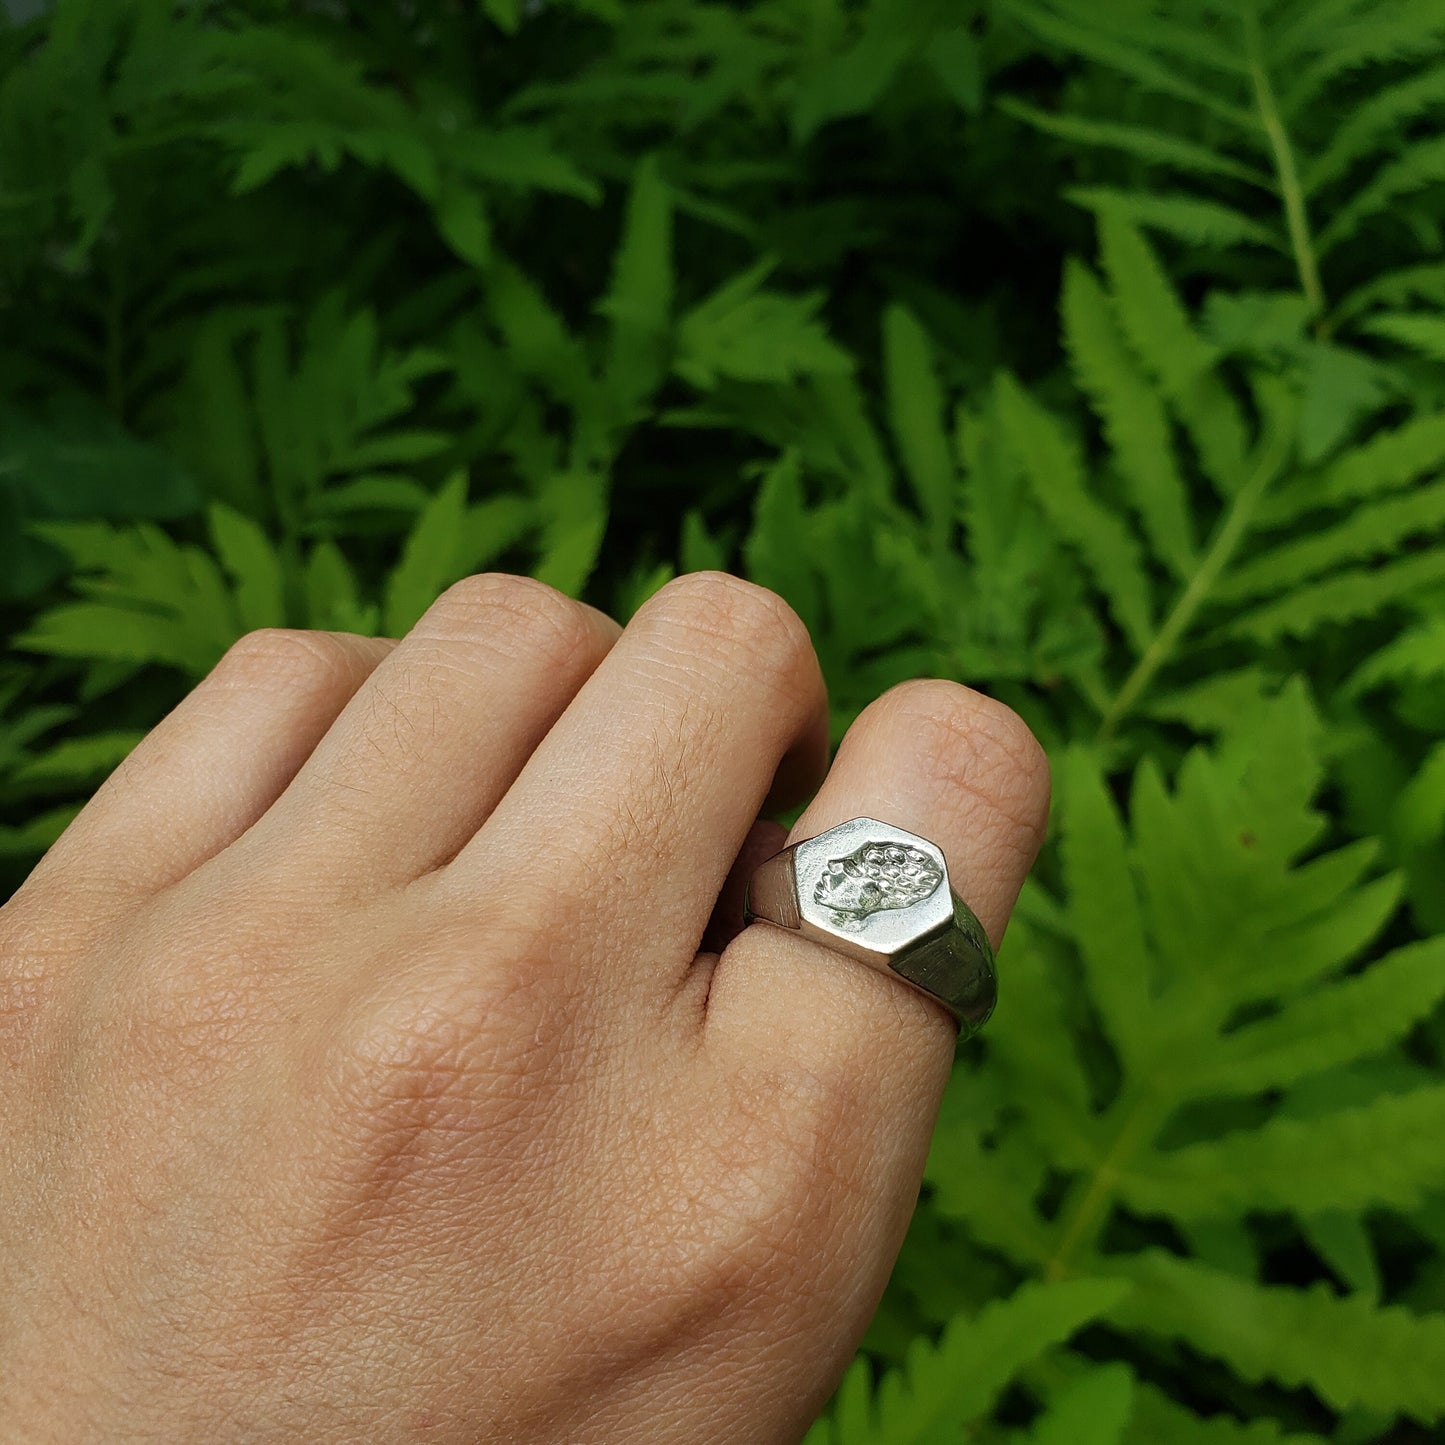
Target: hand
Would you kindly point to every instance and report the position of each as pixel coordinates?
(361, 1077)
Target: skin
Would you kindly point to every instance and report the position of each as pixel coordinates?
(367, 1069)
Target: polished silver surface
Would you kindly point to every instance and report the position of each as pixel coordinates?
(874, 877)
(881, 895)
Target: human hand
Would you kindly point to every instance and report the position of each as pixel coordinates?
(361, 1077)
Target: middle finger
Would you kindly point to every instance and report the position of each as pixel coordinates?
(633, 808)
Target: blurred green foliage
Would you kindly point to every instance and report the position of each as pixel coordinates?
(1088, 351)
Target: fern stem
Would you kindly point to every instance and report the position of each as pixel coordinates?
(1286, 169)
(1221, 551)
(1140, 1114)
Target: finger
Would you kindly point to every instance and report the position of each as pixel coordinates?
(422, 753)
(839, 1067)
(641, 795)
(955, 767)
(214, 765)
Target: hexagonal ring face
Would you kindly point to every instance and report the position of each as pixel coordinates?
(872, 890)
(881, 894)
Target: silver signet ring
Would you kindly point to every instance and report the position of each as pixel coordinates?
(881, 895)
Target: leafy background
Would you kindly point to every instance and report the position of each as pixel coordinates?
(1093, 353)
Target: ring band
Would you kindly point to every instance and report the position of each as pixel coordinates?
(881, 895)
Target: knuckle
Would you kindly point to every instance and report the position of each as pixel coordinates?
(418, 1080)
(438, 1040)
(514, 614)
(272, 654)
(751, 623)
(405, 1065)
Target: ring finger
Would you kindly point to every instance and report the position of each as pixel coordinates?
(948, 764)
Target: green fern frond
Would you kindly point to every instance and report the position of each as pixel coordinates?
(1419, 812)
(1170, 969)
(1343, 1242)
(1034, 1045)
(22, 728)
(915, 404)
(148, 598)
(430, 558)
(942, 1388)
(1163, 32)
(1384, 1153)
(1373, 38)
(1350, 1352)
(1345, 597)
(538, 343)
(1420, 332)
(310, 104)
(1211, 705)
(864, 562)
(747, 334)
(1094, 1410)
(1394, 289)
(1329, 917)
(1302, 29)
(1186, 218)
(1379, 529)
(306, 410)
(1219, 95)
(1134, 418)
(1331, 1025)
(990, 1189)
(1416, 654)
(246, 553)
(1134, 62)
(1169, 412)
(1051, 463)
(1379, 119)
(1174, 153)
(639, 300)
(772, 551)
(1422, 167)
(1388, 462)
(1163, 335)
(1107, 918)
(1157, 1418)
(850, 81)
(332, 593)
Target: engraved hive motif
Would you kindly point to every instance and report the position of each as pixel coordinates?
(876, 876)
